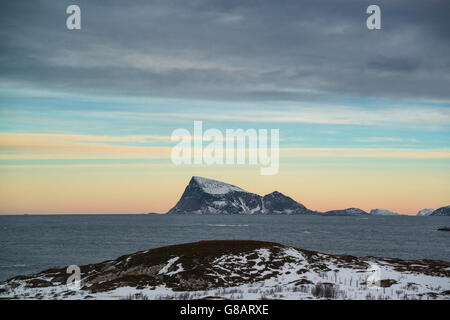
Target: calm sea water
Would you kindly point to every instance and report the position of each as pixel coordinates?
(29, 244)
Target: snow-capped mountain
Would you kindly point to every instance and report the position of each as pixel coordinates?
(347, 212)
(441, 212)
(207, 196)
(382, 212)
(425, 212)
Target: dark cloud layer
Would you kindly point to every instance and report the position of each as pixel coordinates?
(229, 50)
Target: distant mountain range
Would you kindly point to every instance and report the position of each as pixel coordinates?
(441, 212)
(383, 212)
(347, 212)
(425, 212)
(208, 196)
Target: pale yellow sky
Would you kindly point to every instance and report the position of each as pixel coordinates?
(156, 188)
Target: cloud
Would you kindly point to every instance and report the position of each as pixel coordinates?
(230, 50)
(378, 139)
(30, 146)
(394, 64)
(369, 153)
(17, 146)
(412, 116)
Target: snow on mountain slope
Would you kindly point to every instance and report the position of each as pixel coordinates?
(240, 269)
(216, 187)
(425, 212)
(382, 212)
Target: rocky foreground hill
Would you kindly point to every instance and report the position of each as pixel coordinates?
(234, 269)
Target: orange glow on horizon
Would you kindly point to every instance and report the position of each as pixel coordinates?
(157, 189)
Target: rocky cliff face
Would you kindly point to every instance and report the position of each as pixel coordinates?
(207, 196)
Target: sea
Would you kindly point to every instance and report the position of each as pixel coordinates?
(32, 243)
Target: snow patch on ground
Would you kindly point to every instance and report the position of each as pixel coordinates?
(168, 265)
(297, 275)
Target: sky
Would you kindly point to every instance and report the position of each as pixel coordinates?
(86, 115)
